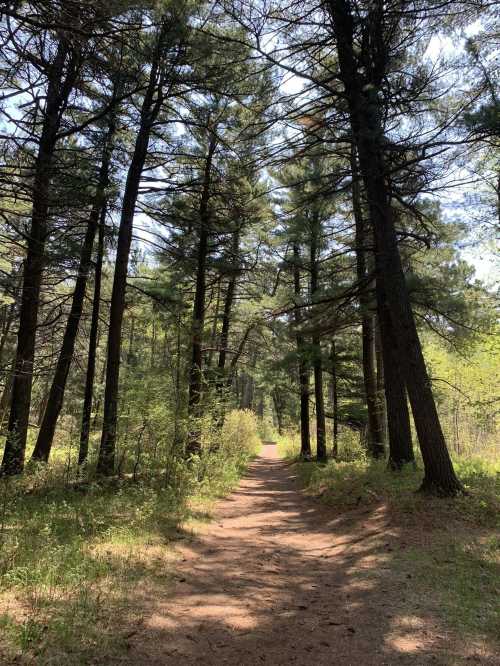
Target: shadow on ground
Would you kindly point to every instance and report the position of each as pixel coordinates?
(279, 579)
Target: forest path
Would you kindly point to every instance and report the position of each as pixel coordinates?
(277, 578)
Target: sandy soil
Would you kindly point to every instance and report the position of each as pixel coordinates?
(279, 579)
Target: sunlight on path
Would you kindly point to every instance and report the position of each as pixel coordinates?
(279, 579)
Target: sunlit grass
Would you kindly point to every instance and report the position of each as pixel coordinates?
(454, 559)
(73, 554)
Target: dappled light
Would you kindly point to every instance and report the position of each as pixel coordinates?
(249, 337)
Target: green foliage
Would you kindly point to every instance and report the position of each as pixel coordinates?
(454, 563)
(467, 388)
(71, 553)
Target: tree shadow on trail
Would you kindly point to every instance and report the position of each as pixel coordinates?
(278, 579)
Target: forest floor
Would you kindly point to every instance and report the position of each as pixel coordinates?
(279, 578)
(301, 564)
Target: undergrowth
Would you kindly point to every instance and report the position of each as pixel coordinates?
(74, 552)
(450, 546)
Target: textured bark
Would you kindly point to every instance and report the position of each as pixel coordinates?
(321, 452)
(365, 115)
(279, 410)
(61, 81)
(398, 417)
(212, 345)
(260, 405)
(226, 315)
(196, 367)
(221, 384)
(375, 425)
(8, 318)
(226, 324)
(381, 406)
(303, 366)
(55, 397)
(248, 388)
(6, 398)
(335, 400)
(92, 350)
(151, 105)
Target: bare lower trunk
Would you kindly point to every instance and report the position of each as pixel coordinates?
(221, 382)
(196, 368)
(303, 366)
(366, 120)
(56, 394)
(152, 103)
(6, 327)
(321, 452)
(335, 401)
(381, 406)
(375, 426)
(278, 409)
(398, 417)
(92, 351)
(58, 91)
(6, 398)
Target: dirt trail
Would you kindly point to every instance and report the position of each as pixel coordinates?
(278, 579)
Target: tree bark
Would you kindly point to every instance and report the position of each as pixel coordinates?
(6, 327)
(381, 406)
(226, 315)
(398, 416)
(56, 394)
(279, 410)
(321, 452)
(196, 368)
(92, 351)
(303, 366)
(152, 103)
(335, 400)
(59, 88)
(375, 426)
(366, 121)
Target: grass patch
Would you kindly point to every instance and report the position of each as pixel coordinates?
(79, 562)
(451, 546)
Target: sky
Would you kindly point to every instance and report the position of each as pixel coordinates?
(484, 256)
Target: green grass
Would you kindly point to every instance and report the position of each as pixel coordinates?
(453, 550)
(73, 555)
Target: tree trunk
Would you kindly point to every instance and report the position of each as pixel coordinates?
(6, 326)
(335, 401)
(321, 452)
(6, 398)
(260, 405)
(398, 417)
(375, 425)
(152, 103)
(248, 390)
(366, 120)
(226, 324)
(56, 395)
(43, 402)
(221, 381)
(153, 345)
(213, 335)
(58, 91)
(226, 316)
(278, 408)
(196, 368)
(381, 406)
(303, 366)
(92, 352)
